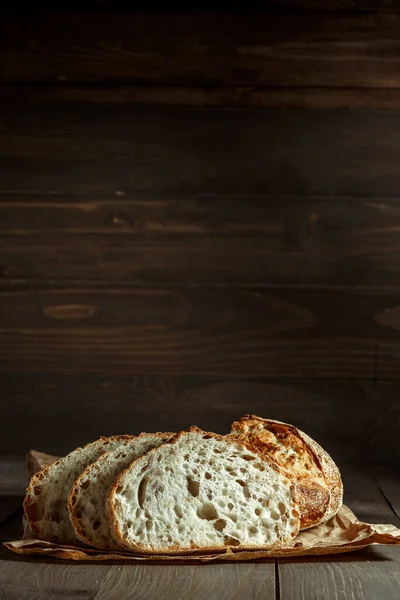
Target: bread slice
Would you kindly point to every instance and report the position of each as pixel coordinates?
(317, 478)
(202, 491)
(86, 502)
(45, 503)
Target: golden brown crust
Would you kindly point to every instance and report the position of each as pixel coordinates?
(177, 550)
(317, 479)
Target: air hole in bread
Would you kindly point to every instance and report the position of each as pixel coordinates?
(86, 484)
(230, 506)
(207, 437)
(220, 524)
(193, 487)
(257, 511)
(96, 525)
(282, 508)
(252, 530)
(233, 518)
(248, 457)
(149, 524)
(207, 512)
(207, 475)
(38, 490)
(209, 495)
(178, 511)
(274, 515)
(240, 482)
(217, 451)
(142, 491)
(231, 541)
(246, 492)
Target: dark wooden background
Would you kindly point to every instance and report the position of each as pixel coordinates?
(200, 217)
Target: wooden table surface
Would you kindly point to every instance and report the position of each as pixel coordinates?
(369, 574)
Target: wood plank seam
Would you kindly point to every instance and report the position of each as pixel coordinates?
(277, 581)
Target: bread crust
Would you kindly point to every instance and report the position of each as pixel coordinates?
(319, 498)
(117, 534)
(30, 504)
(72, 497)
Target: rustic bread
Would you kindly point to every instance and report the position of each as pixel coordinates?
(45, 503)
(318, 483)
(202, 491)
(86, 502)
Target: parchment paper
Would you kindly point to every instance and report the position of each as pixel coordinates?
(343, 533)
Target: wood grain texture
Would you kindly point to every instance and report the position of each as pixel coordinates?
(201, 582)
(194, 330)
(203, 97)
(39, 579)
(197, 239)
(315, 49)
(365, 575)
(346, 418)
(161, 153)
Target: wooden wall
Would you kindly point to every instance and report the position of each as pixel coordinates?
(199, 217)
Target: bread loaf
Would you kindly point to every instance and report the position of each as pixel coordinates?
(202, 491)
(317, 479)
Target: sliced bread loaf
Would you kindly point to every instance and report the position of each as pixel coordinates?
(86, 503)
(317, 479)
(202, 491)
(45, 503)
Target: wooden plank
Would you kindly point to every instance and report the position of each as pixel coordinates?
(217, 238)
(200, 582)
(364, 575)
(124, 258)
(39, 579)
(279, 312)
(194, 330)
(166, 152)
(343, 417)
(203, 97)
(315, 49)
(142, 351)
